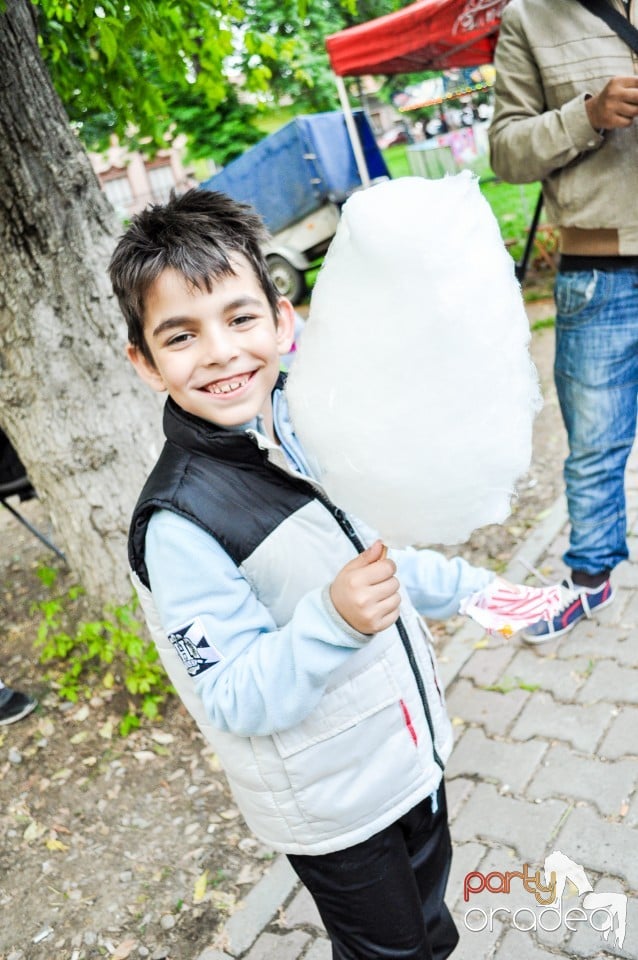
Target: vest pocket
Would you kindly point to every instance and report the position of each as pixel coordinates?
(354, 756)
(357, 697)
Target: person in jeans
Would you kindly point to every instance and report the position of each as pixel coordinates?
(566, 102)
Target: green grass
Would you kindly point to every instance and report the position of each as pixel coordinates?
(548, 323)
(396, 160)
(513, 206)
(273, 119)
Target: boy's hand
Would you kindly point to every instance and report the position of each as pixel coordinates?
(366, 592)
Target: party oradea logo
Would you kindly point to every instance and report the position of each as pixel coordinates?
(604, 912)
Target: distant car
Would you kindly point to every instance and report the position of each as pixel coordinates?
(391, 137)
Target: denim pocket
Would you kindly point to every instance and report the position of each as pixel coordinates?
(578, 294)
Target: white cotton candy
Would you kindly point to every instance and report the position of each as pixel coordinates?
(412, 390)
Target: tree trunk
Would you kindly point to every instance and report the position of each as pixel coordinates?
(86, 429)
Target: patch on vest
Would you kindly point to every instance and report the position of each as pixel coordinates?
(194, 648)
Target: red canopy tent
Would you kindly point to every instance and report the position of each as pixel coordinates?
(427, 35)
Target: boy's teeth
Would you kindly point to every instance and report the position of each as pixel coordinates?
(228, 386)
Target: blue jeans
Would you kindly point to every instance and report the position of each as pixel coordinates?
(596, 373)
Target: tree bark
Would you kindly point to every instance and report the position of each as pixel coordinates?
(86, 429)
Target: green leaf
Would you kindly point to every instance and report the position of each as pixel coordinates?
(108, 42)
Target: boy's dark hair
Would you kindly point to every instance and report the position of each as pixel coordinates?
(196, 234)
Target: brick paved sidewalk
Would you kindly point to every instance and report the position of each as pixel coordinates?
(546, 759)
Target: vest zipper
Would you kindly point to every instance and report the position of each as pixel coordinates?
(349, 530)
(352, 535)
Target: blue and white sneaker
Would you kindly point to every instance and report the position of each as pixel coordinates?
(577, 602)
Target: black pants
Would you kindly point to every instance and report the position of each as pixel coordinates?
(383, 898)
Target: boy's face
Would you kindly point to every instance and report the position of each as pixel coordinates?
(217, 354)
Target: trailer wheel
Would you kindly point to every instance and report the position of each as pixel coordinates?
(289, 281)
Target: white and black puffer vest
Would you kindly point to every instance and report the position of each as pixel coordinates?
(377, 741)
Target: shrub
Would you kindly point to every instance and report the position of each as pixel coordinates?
(109, 653)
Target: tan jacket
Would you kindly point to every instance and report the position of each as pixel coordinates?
(550, 55)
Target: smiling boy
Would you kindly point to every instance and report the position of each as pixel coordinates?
(292, 639)
(216, 353)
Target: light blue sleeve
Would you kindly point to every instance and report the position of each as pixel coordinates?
(436, 586)
(265, 678)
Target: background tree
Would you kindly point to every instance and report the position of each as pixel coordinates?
(297, 64)
(86, 432)
(176, 54)
(218, 134)
(125, 60)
